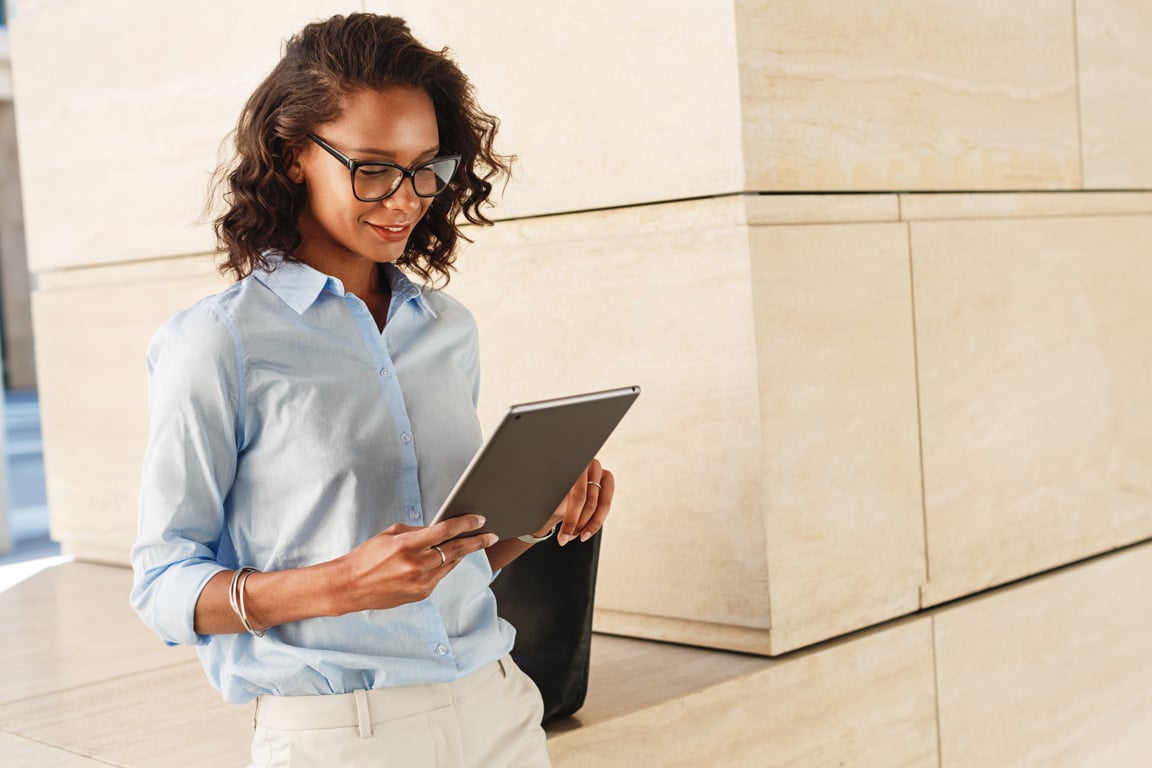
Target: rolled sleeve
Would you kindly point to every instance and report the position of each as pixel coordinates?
(189, 466)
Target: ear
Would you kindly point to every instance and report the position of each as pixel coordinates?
(294, 171)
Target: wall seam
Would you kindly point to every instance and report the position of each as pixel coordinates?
(936, 697)
(919, 412)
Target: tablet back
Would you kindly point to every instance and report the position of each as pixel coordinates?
(525, 468)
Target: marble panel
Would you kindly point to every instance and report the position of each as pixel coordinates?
(905, 95)
(69, 627)
(1050, 672)
(169, 718)
(604, 103)
(655, 296)
(839, 428)
(591, 129)
(1114, 48)
(92, 331)
(866, 702)
(18, 752)
(154, 103)
(1010, 205)
(1033, 339)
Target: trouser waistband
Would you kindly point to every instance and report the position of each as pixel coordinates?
(362, 708)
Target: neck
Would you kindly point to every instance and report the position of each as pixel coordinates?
(361, 277)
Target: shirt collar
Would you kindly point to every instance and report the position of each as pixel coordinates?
(403, 289)
(299, 285)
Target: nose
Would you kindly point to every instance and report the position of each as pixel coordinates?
(404, 198)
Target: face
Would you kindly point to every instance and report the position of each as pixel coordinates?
(340, 233)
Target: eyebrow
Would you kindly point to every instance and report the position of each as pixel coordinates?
(382, 153)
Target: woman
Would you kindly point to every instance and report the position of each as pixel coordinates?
(307, 421)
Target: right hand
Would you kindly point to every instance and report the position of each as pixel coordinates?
(399, 565)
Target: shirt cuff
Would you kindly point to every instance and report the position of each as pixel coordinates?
(174, 603)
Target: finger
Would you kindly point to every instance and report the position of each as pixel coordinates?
(592, 488)
(448, 529)
(398, 528)
(604, 506)
(577, 496)
(572, 508)
(458, 549)
(439, 557)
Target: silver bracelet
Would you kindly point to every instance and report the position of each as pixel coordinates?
(529, 539)
(236, 598)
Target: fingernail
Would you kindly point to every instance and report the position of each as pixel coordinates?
(563, 538)
(483, 520)
(585, 536)
(492, 539)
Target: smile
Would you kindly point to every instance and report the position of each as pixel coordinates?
(393, 232)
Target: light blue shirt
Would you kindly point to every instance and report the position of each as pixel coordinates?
(286, 429)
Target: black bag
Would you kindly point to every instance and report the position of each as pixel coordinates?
(547, 595)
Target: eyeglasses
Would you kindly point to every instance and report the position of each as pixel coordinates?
(373, 181)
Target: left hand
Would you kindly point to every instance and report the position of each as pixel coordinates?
(583, 511)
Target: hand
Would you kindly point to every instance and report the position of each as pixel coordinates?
(403, 564)
(584, 509)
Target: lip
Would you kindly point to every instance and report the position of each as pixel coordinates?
(394, 233)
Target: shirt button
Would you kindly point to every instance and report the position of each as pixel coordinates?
(405, 437)
(413, 513)
(385, 372)
(441, 650)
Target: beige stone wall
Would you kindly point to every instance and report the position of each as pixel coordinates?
(893, 402)
(882, 271)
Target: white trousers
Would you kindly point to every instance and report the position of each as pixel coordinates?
(490, 718)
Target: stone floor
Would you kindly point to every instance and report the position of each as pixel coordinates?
(84, 683)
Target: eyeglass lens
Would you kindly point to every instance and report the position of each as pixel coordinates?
(379, 181)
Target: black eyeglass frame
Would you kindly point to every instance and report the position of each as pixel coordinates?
(409, 173)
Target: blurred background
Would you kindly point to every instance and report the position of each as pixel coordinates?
(883, 271)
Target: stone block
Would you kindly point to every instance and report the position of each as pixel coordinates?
(838, 428)
(900, 95)
(604, 103)
(92, 332)
(1051, 672)
(1114, 52)
(124, 108)
(772, 457)
(867, 702)
(1034, 374)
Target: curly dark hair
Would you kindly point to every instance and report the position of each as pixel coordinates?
(321, 64)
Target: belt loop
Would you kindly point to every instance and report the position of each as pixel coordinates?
(363, 714)
(503, 672)
(255, 710)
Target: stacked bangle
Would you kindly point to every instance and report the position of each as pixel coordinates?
(236, 598)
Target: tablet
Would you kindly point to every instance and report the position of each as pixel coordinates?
(529, 463)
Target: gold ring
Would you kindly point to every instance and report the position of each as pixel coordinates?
(593, 482)
(443, 557)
